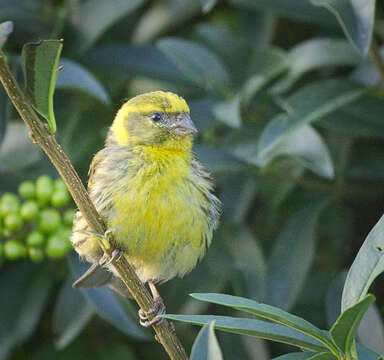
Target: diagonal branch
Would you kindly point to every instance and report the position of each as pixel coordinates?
(39, 133)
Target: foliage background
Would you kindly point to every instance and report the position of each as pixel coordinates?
(290, 118)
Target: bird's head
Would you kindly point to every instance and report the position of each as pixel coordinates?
(155, 119)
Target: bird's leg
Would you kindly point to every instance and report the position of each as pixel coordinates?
(106, 259)
(157, 309)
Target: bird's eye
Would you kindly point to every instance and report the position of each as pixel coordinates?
(156, 117)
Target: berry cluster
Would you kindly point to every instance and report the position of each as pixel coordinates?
(37, 222)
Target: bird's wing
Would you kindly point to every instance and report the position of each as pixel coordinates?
(96, 161)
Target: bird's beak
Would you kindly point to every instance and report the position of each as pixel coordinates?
(184, 126)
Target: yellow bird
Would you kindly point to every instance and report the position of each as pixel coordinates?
(150, 188)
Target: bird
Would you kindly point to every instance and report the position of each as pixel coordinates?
(154, 195)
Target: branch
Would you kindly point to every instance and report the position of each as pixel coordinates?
(39, 133)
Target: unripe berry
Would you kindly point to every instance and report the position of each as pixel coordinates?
(60, 198)
(9, 204)
(35, 238)
(68, 216)
(36, 254)
(14, 250)
(29, 210)
(27, 189)
(56, 247)
(59, 184)
(49, 220)
(13, 222)
(44, 189)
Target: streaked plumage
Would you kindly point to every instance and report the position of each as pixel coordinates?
(147, 182)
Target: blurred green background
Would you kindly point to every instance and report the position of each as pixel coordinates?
(289, 102)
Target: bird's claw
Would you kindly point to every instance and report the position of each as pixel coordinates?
(108, 259)
(157, 309)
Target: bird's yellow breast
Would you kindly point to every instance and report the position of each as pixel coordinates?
(162, 225)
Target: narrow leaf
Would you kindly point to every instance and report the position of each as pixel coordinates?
(356, 18)
(256, 328)
(40, 66)
(206, 346)
(368, 264)
(306, 106)
(286, 275)
(106, 305)
(71, 313)
(208, 5)
(314, 54)
(94, 17)
(344, 329)
(74, 76)
(6, 29)
(197, 63)
(268, 312)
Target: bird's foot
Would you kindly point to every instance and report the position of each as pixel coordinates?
(107, 259)
(157, 309)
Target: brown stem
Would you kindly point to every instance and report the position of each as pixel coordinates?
(39, 133)
(377, 59)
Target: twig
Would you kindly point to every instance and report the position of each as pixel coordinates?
(377, 59)
(39, 133)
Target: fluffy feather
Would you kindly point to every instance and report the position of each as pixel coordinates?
(147, 182)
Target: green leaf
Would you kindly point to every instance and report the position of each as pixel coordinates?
(295, 9)
(344, 329)
(371, 330)
(268, 312)
(74, 76)
(356, 17)
(40, 66)
(208, 5)
(6, 29)
(71, 314)
(94, 17)
(106, 305)
(286, 276)
(305, 145)
(306, 106)
(228, 112)
(17, 151)
(251, 327)
(314, 54)
(206, 346)
(366, 354)
(307, 356)
(27, 287)
(161, 17)
(129, 60)
(368, 264)
(201, 66)
(264, 65)
(355, 118)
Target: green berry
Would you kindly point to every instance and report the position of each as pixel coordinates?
(35, 238)
(49, 220)
(36, 254)
(29, 210)
(14, 250)
(9, 204)
(56, 247)
(13, 222)
(59, 185)
(27, 189)
(68, 216)
(60, 198)
(44, 189)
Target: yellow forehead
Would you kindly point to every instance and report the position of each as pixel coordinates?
(156, 101)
